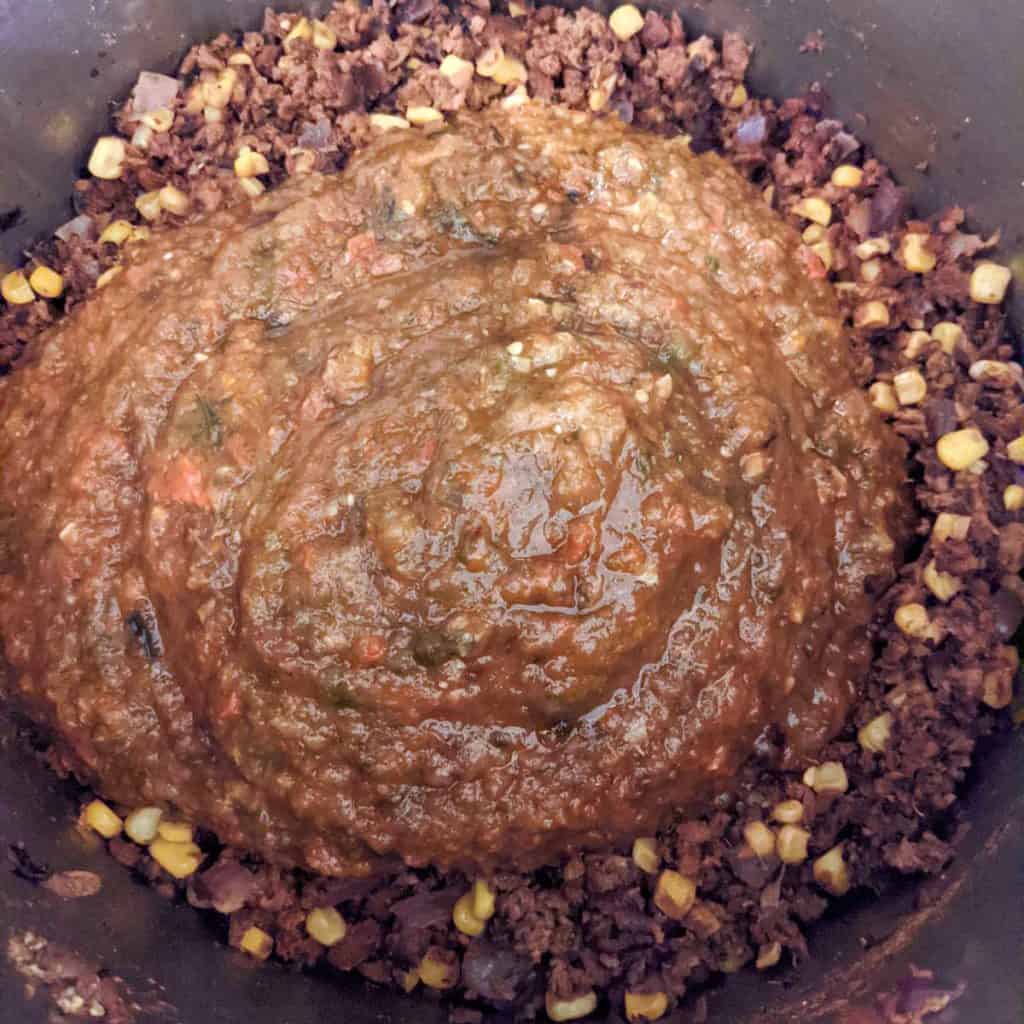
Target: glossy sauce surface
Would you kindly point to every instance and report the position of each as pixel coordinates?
(487, 500)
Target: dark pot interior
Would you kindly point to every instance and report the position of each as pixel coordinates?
(923, 80)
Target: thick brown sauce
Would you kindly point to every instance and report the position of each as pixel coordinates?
(490, 499)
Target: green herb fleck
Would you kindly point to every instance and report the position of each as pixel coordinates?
(209, 427)
(452, 221)
(712, 263)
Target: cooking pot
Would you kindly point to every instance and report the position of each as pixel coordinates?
(938, 89)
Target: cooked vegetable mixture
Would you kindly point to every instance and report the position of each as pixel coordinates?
(418, 481)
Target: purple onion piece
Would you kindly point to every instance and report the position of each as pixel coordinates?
(844, 144)
(752, 131)
(226, 887)
(623, 106)
(941, 416)
(426, 909)
(316, 135)
(80, 227)
(499, 975)
(888, 205)
(153, 92)
(1009, 613)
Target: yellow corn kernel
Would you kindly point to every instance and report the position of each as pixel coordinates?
(830, 871)
(570, 1009)
(159, 120)
(117, 232)
(874, 736)
(1015, 449)
(995, 370)
(501, 69)
(301, 30)
(917, 342)
(646, 1005)
(326, 925)
(177, 859)
(911, 388)
(423, 115)
(252, 187)
(256, 942)
(107, 159)
(823, 250)
(737, 97)
(989, 282)
(788, 812)
(465, 920)
(948, 335)
(948, 526)
(912, 619)
(768, 956)
(148, 204)
(944, 586)
(871, 271)
(303, 161)
(516, 98)
(484, 901)
(645, 855)
(792, 844)
(173, 200)
(410, 980)
(883, 398)
(107, 276)
(385, 122)
(597, 99)
(194, 99)
(872, 247)
(516, 10)
(813, 233)
(625, 21)
(16, 290)
(960, 449)
(674, 894)
(760, 838)
(240, 60)
(916, 255)
(828, 777)
(871, 315)
(216, 92)
(436, 974)
(250, 164)
(100, 818)
(847, 176)
(815, 209)
(997, 689)
(324, 37)
(175, 831)
(456, 70)
(143, 825)
(1013, 498)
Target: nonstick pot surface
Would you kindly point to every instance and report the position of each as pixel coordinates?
(925, 81)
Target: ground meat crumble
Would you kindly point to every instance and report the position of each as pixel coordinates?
(599, 926)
